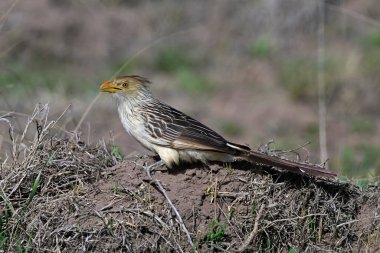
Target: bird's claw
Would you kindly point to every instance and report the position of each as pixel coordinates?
(153, 166)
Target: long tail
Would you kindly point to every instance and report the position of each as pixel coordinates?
(297, 167)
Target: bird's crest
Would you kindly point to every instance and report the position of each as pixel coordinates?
(142, 80)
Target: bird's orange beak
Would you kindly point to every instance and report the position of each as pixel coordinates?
(109, 87)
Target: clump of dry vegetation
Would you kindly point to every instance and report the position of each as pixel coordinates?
(61, 195)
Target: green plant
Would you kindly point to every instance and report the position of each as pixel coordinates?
(362, 125)
(111, 224)
(192, 82)
(362, 183)
(228, 167)
(12, 231)
(231, 213)
(262, 47)
(4, 228)
(343, 179)
(267, 249)
(50, 159)
(298, 77)
(254, 207)
(370, 62)
(370, 158)
(21, 248)
(372, 40)
(348, 162)
(34, 188)
(172, 59)
(313, 228)
(231, 128)
(116, 152)
(38, 76)
(115, 188)
(360, 161)
(216, 233)
(312, 132)
(264, 245)
(371, 54)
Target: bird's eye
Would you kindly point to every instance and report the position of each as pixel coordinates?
(125, 85)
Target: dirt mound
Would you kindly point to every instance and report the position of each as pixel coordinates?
(62, 195)
(65, 196)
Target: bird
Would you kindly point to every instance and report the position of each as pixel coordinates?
(178, 138)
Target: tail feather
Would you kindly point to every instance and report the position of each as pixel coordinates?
(238, 147)
(297, 167)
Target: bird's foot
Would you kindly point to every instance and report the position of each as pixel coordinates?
(153, 166)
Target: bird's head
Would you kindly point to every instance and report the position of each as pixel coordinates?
(125, 85)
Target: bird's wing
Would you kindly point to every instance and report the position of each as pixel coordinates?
(172, 128)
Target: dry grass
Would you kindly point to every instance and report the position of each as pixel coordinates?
(60, 195)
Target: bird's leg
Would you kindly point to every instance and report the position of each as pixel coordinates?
(153, 166)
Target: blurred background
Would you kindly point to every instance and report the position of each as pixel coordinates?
(248, 69)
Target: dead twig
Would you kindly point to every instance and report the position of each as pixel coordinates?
(295, 218)
(156, 184)
(253, 234)
(353, 221)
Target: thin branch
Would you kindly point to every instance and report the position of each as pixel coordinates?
(156, 184)
(6, 14)
(84, 115)
(355, 15)
(353, 221)
(253, 234)
(322, 83)
(150, 45)
(121, 68)
(296, 218)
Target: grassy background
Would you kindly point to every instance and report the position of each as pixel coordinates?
(248, 69)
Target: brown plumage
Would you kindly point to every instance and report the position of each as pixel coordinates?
(176, 137)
